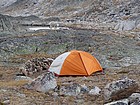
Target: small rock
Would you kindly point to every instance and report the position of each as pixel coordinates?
(120, 102)
(95, 91)
(135, 97)
(80, 101)
(55, 94)
(84, 78)
(21, 95)
(3, 90)
(70, 90)
(84, 88)
(135, 103)
(23, 78)
(6, 102)
(43, 83)
(120, 89)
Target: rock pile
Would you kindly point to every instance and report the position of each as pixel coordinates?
(36, 65)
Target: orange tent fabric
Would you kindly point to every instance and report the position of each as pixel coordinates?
(75, 63)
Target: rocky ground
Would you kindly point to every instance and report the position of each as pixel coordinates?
(13, 93)
(108, 29)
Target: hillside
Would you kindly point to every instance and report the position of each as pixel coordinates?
(32, 29)
(100, 10)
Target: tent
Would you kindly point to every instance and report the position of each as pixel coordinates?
(75, 63)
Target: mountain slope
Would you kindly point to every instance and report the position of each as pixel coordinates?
(98, 10)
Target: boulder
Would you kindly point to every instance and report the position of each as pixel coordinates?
(120, 89)
(95, 91)
(70, 90)
(134, 98)
(120, 102)
(43, 83)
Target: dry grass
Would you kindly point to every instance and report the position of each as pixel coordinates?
(69, 9)
(33, 34)
(13, 83)
(25, 57)
(32, 97)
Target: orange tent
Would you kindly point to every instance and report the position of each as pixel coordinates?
(75, 63)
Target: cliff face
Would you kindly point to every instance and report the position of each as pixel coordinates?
(8, 24)
(14, 25)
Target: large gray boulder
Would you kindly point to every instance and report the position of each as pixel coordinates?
(120, 89)
(43, 83)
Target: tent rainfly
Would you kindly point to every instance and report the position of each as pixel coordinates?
(75, 63)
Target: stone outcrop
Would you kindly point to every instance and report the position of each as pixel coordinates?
(6, 23)
(120, 89)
